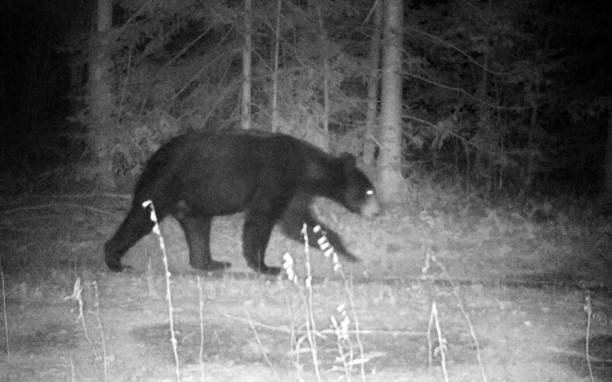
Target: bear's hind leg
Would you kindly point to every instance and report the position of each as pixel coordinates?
(197, 235)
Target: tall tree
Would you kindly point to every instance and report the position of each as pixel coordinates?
(100, 95)
(607, 189)
(326, 71)
(389, 178)
(371, 125)
(246, 67)
(275, 115)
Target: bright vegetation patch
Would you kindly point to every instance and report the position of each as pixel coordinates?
(462, 292)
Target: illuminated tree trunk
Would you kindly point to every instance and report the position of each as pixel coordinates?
(326, 73)
(371, 125)
(389, 178)
(607, 191)
(101, 96)
(246, 68)
(275, 116)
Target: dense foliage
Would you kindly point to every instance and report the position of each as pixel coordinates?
(497, 95)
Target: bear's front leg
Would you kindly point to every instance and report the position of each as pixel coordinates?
(255, 236)
(136, 225)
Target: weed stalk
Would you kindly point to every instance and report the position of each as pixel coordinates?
(150, 281)
(72, 371)
(293, 340)
(329, 251)
(77, 296)
(310, 321)
(340, 328)
(466, 317)
(162, 246)
(441, 348)
(262, 349)
(101, 330)
(588, 308)
(4, 315)
(201, 314)
(342, 338)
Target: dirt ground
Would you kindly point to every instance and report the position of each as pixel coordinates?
(519, 292)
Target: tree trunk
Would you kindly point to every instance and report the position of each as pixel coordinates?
(101, 97)
(389, 178)
(245, 122)
(485, 164)
(607, 189)
(326, 74)
(275, 118)
(371, 125)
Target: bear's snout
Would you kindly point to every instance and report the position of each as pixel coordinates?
(371, 207)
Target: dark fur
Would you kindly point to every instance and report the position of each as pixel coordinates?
(272, 177)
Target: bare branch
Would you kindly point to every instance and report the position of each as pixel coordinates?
(466, 93)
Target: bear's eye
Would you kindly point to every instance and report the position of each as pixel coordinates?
(370, 192)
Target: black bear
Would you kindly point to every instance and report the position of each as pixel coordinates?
(272, 177)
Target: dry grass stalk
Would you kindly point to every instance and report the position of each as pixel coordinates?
(5, 318)
(311, 329)
(261, 347)
(77, 296)
(309, 332)
(329, 251)
(201, 314)
(101, 330)
(342, 340)
(340, 328)
(441, 348)
(588, 308)
(466, 317)
(162, 246)
(72, 371)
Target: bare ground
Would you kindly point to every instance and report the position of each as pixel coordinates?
(514, 278)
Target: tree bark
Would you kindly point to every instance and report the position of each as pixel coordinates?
(245, 122)
(371, 125)
(389, 178)
(326, 72)
(275, 116)
(101, 96)
(607, 186)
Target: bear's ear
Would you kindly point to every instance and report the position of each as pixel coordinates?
(348, 160)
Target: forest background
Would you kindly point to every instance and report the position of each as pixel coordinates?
(497, 96)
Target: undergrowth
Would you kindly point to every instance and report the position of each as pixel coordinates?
(309, 328)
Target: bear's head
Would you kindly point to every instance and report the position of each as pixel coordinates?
(359, 195)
